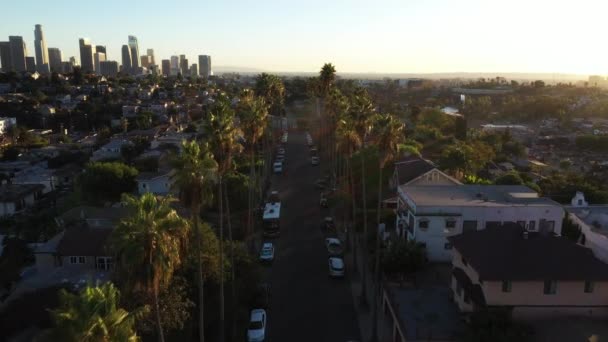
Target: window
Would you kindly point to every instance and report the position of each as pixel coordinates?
(77, 260)
(447, 246)
(423, 224)
(589, 286)
(450, 224)
(532, 226)
(550, 287)
(506, 286)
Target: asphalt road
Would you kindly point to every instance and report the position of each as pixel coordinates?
(305, 304)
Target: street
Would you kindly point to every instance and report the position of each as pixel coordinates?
(305, 305)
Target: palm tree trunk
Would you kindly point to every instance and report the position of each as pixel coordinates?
(221, 209)
(377, 263)
(159, 327)
(233, 265)
(201, 310)
(364, 300)
(250, 233)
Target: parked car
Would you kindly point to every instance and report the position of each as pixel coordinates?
(334, 246)
(277, 167)
(323, 201)
(314, 160)
(336, 267)
(274, 197)
(328, 224)
(257, 326)
(267, 252)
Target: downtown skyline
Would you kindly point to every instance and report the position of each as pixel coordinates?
(380, 37)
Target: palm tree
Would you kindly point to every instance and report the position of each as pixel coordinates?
(361, 113)
(272, 89)
(336, 106)
(93, 315)
(149, 246)
(253, 114)
(327, 76)
(389, 135)
(223, 135)
(196, 173)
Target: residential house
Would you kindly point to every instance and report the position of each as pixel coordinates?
(419, 171)
(46, 110)
(432, 213)
(534, 276)
(159, 183)
(130, 111)
(593, 222)
(17, 197)
(110, 150)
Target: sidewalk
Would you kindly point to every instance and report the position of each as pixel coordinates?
(365, 314)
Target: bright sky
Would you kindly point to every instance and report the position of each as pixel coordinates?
(408, 36)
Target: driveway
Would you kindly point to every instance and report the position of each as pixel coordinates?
(305, 305)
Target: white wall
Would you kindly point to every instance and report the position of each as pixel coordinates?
(160, 185)
(597, 242)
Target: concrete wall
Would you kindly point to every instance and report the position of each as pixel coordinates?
(597, 242)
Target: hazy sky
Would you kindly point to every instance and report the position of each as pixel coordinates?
(357, 36)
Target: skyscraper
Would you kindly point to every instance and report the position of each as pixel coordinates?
(18, 53)
(55, 59)
(166, 67)
(204, 65)
(174, 65)
(108, 68)
(183, 64)
(5, 56)
(134, 51)
(126, 59)
(42, 57)
(101, 48)
(146, 61)
(30, 64)
(99, 57)
(194, 70)
(87, 55)
(151, 54)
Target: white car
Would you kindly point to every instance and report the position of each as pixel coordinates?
(336, 267)
(281, 151)
(314, 160)
(267, 252)
(334, 246)
(277, 167)
(257, 326)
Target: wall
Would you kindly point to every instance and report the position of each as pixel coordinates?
(88, 265)
(160, 185)
(597, 242)
(45, 262)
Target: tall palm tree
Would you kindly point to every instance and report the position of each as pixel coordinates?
(196, 171)
(389, 134)
(336, 106)
(327, 76)
(361, 113)
(223, 135)
(253, 114)
(272, 89)
(149, 245)
(93, 315)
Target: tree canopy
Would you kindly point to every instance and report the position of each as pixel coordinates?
(106, 181)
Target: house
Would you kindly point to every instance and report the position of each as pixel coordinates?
(110, 150)
(130, 111)
(6, 123)
(531, 275)
(16, 197)
(430, 214)
(93, 216)
(46, 110)
(418, 171)
(593, 222)
(158, 183)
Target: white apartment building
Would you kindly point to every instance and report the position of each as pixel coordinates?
(6, 123)
(593, 221)
(431, 213)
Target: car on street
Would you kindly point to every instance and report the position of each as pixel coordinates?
(336, 267)
(323, 201)
(274, 197)
(328, 224)
(277, 167)
(267, 252)
(334, 246)
(314, 160)
(257, 326)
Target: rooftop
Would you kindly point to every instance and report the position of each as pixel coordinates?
(595, 216)
(82, 240)
(475, 195)
(412, 168)
(504, 254)
(14, 192)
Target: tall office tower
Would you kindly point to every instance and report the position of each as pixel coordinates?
(108, 68)
(166, 67)
(67, 67)
(42, 57)
(134, 51)
(30, 64)
(5, 56)
(174, 65)
(18, 53)
(204, 65)
(87, 55)
(73, 62)
(194, 70)
(146, 61)
(55, 59)
(126, 59)
(150, 53)
(101, 48)
(183, 64)
(99, 57)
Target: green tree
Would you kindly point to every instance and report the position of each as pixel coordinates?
(106, 181)
(149, 246)
(509, 178)
(403, 258)
(495, 326)
(195, 176)
(272, 89)
(389, 133)
(94, 315)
